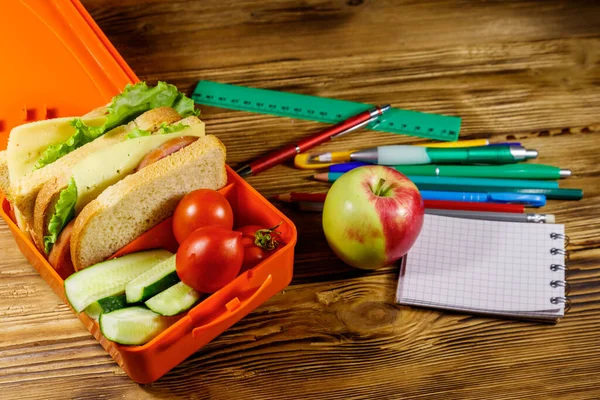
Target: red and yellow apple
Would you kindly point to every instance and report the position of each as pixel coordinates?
(372, 216)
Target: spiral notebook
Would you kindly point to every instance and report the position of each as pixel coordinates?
(490, 267)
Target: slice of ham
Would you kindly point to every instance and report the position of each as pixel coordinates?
(166, 149)
(60, 255)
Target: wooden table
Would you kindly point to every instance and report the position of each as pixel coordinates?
(520, 70)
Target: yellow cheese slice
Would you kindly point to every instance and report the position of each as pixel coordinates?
(109, 165)
(27, 142)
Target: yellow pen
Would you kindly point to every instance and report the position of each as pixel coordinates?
(324, 160)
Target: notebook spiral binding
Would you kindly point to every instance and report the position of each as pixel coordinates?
(560, 267)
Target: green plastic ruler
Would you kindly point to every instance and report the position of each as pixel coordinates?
(431, 126)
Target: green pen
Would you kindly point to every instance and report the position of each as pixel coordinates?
(415, 155)
(460, 181)
(510, 171)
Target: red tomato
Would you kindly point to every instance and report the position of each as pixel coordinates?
(248, 234)
(253, 256)
(202, 207)
(209, 258)
(259, 242)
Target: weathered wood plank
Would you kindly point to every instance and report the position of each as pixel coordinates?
(524, 70)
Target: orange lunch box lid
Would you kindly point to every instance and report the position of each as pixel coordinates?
(56, 62)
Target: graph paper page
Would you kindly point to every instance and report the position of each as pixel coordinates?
(486, 266)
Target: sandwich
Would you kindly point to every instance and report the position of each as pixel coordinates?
(42, 150)
(86, 202)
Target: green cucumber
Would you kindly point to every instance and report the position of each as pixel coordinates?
(93, 310)
(176, 299)
(162, 276)
(105, 305)
(109, 278)
(133, 325)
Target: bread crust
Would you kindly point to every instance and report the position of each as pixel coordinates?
(144, 199)
(152, 120)
(50, 191)
(44, 207)
(4, 179)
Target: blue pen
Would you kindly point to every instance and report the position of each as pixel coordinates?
(530, 200)
(345, 167)
(505, 144)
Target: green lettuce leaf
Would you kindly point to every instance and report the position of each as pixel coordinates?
(139, 98)
(83, 134)
(136, 133)
(125, 107)
(64, 212)
(164, 128)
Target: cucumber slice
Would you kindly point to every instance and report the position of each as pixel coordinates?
(176, 299)
(109, 278)
(93, 310)
(105, 305)
(162, 276)
(133, 325)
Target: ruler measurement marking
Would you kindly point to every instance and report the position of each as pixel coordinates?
(293, 110)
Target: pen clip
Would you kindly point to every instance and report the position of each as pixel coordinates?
(355, 127)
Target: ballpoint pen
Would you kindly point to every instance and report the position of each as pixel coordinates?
(552, 193)
(413, 155)
(508, 171)
(289, 151)
(341, 156)
(496, 183)
(530, 200)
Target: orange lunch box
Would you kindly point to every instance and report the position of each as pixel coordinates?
(68, 67)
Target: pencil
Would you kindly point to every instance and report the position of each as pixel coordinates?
(315, 198)
(481, 215)
(493, 216)
(294, 197)
(460, 143)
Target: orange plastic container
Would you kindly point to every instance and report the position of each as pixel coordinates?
(66, 68)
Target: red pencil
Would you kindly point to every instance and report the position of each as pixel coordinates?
(295, 197)
(473, 206)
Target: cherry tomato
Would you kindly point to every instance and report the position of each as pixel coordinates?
(202, 207)
(209, 258)
(259, 243)
(253, 256)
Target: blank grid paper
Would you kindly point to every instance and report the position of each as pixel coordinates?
(484, 266)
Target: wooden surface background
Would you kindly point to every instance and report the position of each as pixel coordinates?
(513, 70)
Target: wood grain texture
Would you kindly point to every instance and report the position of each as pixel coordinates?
(513, 70)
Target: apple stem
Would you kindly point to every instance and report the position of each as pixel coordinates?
(379, 187)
